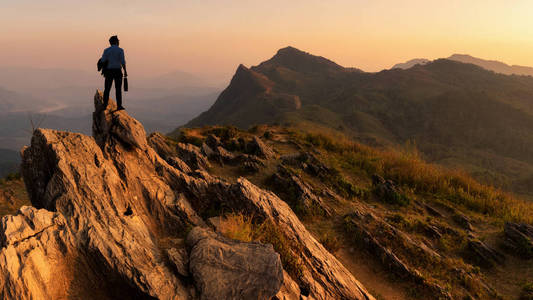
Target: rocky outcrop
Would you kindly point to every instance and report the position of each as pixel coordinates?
(259, 148)
(110, 215)
(519, 239)
(309, 163)
(193, 156)
(483, 254)
(298, 191)
(217, 265)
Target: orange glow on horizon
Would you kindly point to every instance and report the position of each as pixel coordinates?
(215, 36)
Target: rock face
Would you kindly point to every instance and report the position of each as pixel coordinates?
(110, 215)
(217, 265)
(299, 191)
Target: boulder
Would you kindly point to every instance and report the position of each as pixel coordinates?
(228, 269)
(259, 148)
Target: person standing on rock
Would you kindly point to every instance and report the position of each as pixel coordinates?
(114, 61)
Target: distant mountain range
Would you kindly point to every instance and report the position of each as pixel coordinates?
(411, 63)
(59, 98)
(457, 114)
(491, 65)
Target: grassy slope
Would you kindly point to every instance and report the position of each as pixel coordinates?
(449, 192)
(459, 115)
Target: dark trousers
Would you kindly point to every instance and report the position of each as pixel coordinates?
(110, 76)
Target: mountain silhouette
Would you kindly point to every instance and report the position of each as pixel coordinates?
(411, 63)
(457, 114)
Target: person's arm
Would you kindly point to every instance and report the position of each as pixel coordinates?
(124, 64)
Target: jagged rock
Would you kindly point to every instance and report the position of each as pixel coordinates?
(308, 162)
(519, 238)
(388, 258)
(297, 190)
(463, 221)
(213, 141)
(224, 154)
(217, 265)
(432, 210)
(112, 201)
(164, 149)
(432, 230)
(324, 276)
(157, 141)
(109, 124)
(257, 147)
(192, 156)
(107, 202)
(484, 255)
(289, 290)
(180, 259)
(207, 151)
(249, 163)
(179, 164)
(32, 242)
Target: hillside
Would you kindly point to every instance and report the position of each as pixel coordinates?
(493, 65)
(269, 213)
(406, 229)
(456, 114)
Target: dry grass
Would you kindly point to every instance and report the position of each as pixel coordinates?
(242, 228)
(406, 168)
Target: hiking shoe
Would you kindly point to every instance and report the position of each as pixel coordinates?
(120, 108)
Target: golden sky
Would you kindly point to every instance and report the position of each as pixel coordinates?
(215, 36)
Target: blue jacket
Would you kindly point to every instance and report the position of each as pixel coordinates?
(114, 56)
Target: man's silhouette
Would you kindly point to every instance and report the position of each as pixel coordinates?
(114, 61)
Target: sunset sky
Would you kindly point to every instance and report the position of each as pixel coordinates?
(215, 36)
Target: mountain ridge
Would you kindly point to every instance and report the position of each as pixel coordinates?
(453, 111)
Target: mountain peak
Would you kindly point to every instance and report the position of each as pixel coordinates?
(300, 61)
(492, 65)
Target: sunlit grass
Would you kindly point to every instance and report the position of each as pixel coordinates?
(408, 169)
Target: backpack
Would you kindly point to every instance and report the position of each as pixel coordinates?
(102, 66)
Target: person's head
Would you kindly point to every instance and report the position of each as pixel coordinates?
(113, 40)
